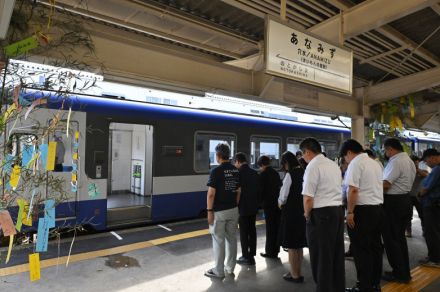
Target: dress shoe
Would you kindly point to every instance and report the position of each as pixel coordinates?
(246, 261)
(269, 256)
(288, 277)
(390, 277)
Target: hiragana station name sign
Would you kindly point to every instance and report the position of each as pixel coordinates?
(293, 54)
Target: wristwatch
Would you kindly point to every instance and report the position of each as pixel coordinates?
(209, 210)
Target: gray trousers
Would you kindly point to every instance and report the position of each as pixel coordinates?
(224, 240)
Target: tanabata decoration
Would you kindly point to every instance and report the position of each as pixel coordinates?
(34, 266)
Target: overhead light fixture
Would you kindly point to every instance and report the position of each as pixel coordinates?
(6, 8)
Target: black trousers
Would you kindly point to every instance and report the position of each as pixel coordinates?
(366, 244)
(325, 237)
(432, 232)
(248, 235)
(273, 219)
(397, 213)
(415, 203)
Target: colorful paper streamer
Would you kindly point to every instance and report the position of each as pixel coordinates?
(34, 267)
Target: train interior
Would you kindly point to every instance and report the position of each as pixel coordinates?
(130, 178)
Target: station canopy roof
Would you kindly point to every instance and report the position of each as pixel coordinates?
(396, 44)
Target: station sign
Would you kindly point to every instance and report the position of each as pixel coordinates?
(293, 54)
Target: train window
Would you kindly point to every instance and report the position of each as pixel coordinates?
(269, 146)
(204, 152)
(293, 144)
(19, 143)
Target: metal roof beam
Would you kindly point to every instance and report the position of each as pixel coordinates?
(367, 16)
(403, 86)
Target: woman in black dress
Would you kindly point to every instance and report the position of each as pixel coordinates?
(293, 224)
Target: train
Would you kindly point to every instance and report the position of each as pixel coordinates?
(140, 162)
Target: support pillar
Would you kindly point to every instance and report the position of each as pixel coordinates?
(358, 130)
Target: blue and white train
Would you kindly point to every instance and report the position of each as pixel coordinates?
(149, 163)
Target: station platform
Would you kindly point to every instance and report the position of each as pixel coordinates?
(174, 257)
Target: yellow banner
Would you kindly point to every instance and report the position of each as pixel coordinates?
(51, 153)
(15, 176)
(34, 266)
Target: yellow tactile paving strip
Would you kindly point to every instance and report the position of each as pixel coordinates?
(421, 277)
(105, 252)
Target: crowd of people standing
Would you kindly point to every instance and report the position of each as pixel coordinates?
(308, 207)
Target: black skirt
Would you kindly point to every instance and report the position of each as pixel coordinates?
(293, 224)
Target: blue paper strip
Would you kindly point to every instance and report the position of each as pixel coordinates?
(8, 163)
(42, 235)
(26, 155)
(49, 213)
(43, 156)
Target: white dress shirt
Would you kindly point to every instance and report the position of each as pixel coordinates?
(322, 182)
(284, 192)
(365, 174)
(400, 172)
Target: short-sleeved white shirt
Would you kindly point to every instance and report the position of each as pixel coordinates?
(400, 172)
(365, 174)
(322, 182)
(285, 189)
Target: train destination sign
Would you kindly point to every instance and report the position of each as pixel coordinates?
(292, 54)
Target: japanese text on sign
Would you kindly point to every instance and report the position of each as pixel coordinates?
(293, 54)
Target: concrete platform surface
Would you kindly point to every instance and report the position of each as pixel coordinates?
(172, 265)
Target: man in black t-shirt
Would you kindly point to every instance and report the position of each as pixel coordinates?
(222, 200)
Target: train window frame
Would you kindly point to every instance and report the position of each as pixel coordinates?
(262, 138)
(215, 134)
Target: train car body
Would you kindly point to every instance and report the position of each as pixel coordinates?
(141, 162)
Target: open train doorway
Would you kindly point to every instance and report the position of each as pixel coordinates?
(130, 174)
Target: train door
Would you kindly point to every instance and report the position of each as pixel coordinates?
(130, 174)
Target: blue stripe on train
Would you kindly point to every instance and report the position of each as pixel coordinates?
(179, 205)
(94, 212)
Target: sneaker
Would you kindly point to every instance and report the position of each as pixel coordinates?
(229, 273)
(211, 274)
(431, 264)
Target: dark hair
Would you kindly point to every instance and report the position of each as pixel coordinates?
(223, 150)
(263, 161)
(415, 158)
(350, 145)
(393, 143)
(240, 157)
(310, 144)
(370, 153)
(323, 153)
(290, 159)
(429, 152)
(302, 162)
(298, 153)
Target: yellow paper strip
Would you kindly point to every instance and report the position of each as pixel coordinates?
(25, 219)
(76, 135)
(51, 153)
(15, 176)
(9, 111)
(75, 156)
(34, 267)
(11, 241)
(74, 177)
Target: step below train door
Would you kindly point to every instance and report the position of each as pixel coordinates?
(130, 174)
